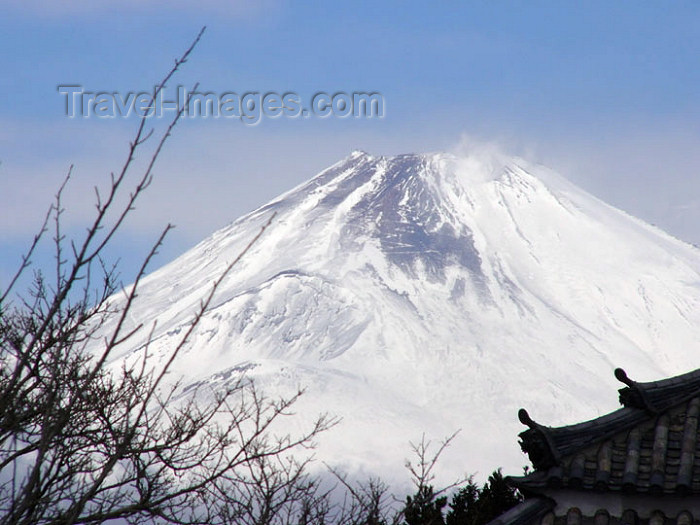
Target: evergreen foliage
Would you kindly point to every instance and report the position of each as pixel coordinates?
(424, 508)
(470, 505)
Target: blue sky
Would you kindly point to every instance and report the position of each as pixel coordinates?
(608, 93)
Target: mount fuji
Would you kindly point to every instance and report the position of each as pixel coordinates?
(422, 294)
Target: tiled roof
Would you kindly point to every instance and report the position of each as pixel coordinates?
(658, 396)
(651, 445)
(525, 513)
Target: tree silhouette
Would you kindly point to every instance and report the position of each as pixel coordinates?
(81, 442)
(472, 505)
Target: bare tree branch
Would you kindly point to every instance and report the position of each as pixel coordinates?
(81, 442)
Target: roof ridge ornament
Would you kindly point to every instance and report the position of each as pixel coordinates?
(633, 395)
(537, 443)
(621, 376)
(525, 419)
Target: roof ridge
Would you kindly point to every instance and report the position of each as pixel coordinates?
(546, 446)
(661, 395)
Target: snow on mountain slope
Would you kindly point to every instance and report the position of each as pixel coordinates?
(428, 293)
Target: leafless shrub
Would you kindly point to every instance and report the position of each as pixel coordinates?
(81, 443)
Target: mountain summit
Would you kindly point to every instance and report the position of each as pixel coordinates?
(429, 293)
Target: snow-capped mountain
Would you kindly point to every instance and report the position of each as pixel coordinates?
(429, 293)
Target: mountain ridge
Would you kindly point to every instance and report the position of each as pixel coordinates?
(421, 293)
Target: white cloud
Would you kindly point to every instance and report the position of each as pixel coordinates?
(207, 175)
(73, 8)
(648, 171)
(210, 173)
